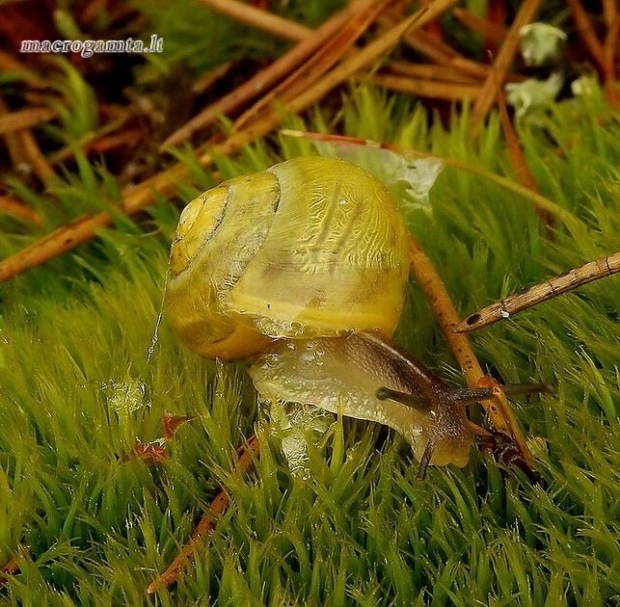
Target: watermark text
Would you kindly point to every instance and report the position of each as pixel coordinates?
(87, 48)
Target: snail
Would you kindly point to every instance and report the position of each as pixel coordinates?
(302, 270)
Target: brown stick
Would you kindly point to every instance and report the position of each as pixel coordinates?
(585, 29)
(496, 77)
(432, 48)
(499, 411)
(424, 88)
(428, 71)
(370, 53)
(589, 272)
(35, 158)
(206, 81)
(515, 153)
(24, 150)
(443, 54)
(8, 63)
(25, 119)
(84, 228)
(610, 45)
(315, 66)
(259, 19)
(20, 210)
(489, 30)
(265, 79)
(247, 455)
(519, 162)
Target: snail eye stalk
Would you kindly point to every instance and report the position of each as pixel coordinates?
(416, 401)
(468, 396)
(420, 402)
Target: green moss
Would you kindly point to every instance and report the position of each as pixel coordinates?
(79, 388)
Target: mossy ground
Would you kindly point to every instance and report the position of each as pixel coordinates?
(79, 388)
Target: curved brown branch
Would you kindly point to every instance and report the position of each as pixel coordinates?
(499, 411)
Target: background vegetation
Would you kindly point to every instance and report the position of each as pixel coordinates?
(89, 515)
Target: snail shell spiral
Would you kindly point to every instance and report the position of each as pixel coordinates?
(310, 247)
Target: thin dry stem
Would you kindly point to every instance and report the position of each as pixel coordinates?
(370, 53)
(610, 45)
(444, 55)
(467, 66)
(205, 82)
(34, 157)
(431, 47)
(432, 89)
(325, 57)
(519, 162)
(8, 63)
(247, 454)
(515, 153)
(498, 410)
(265, 79)
(19, 210)
(585, 29)
(507, 308)
(25, 119)
(24, 150)
(98, 144)
(428, 71)
(491, 31)
(84, 228)
(505, 56)
(259, 19)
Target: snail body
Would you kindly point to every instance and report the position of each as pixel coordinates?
(302, 269)
(352, 375)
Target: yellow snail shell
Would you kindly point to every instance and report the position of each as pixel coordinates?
(303, 268)
(310, 247)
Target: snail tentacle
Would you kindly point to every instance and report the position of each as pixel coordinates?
(417, 401)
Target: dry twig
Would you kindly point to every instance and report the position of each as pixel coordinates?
(24, 150)
(491, 31)
(265, 79)
(499, 411)
(316, 66)
(246, 456)
(506, 308)
(585, 29)
(19, 210)
(260, 19)
(422, 87)
(505, 56)
(25, 119)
